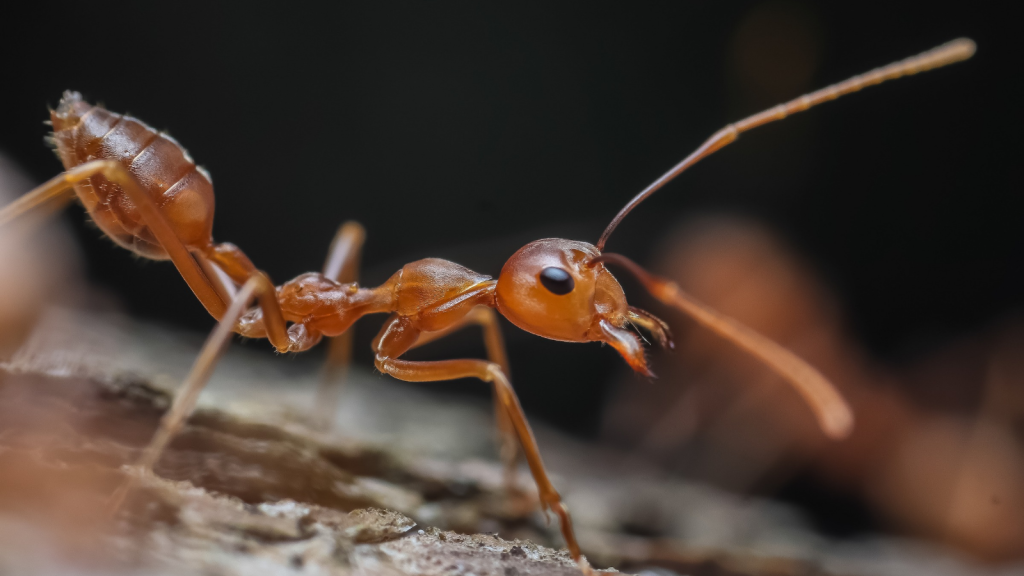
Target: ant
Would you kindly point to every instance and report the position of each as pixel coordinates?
(144, 191)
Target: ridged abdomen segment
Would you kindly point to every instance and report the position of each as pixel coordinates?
(83, 133)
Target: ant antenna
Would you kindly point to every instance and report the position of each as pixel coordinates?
(948, 53)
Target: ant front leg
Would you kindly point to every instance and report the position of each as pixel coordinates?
(400, 334)
(487, 319)
(342, 265)
(258, 286)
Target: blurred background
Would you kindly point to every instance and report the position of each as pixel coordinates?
(879, 236)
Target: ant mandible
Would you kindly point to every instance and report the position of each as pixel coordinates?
(145, 192)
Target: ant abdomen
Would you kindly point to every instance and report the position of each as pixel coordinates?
(83, 132)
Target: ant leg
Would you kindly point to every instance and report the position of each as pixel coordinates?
(400, 334)
(258, 286)
(342, 265)
(487, 319)
(219, 279)
(63, 184)
(49, 197)
(231, 261)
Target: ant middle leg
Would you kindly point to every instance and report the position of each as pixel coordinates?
(342, 265)
(487, 319)
(400, 334)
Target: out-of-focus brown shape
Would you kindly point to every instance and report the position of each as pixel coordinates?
(955, 476)
(37, 260)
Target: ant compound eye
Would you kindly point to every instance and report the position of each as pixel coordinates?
(557, 281)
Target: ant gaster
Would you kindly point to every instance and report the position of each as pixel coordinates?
(144, 191)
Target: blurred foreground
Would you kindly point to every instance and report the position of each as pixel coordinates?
(249, 489)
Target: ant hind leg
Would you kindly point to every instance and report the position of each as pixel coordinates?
(61, 188)
(220, 280)
(258, 286)
(49, 197)
(231, 260)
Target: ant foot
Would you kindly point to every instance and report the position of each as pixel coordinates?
(117, 499)
(585, 567)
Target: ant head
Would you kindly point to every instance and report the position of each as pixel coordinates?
(560, 289)
(552, 288)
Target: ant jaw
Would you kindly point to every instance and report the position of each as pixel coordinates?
(657, 327)
(626, 343)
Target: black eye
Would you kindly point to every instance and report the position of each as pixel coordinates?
(557, 281)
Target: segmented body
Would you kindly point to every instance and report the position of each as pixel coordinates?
(433, 293)
(83, 132)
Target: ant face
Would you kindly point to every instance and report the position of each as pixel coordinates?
(550, 288)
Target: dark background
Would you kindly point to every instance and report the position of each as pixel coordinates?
(464, 130)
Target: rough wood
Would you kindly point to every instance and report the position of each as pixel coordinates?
(399, 489)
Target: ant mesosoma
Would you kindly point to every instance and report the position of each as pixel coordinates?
(144, 191)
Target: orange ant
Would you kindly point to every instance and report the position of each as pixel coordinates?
(144, 191)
